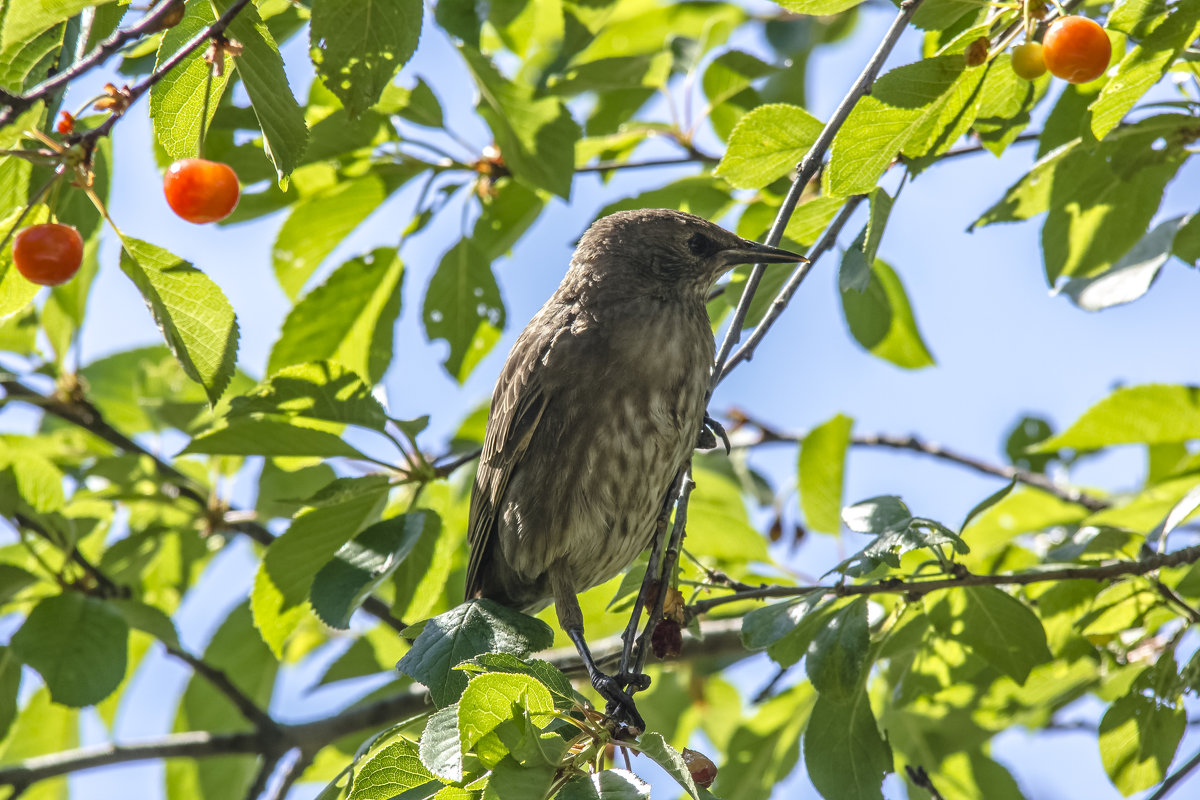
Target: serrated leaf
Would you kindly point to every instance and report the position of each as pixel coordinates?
(1138, 739)
(440, 747)
(536, 137)
(995, 625)
(845, 755)
(609, 784)
(42, 728)
(192, 312)
(281, 587)
(418, 104)
(915, 108)
(546, 673)
(317, 224)
(766, 144)
(322, 390)
(837, 656)
(1143, 66)
(26, 20)
(818, 8)
(1129, 278)
(1154, 414)
(388, 771)
(702, 195)
(349, 318)
(821, 470)
(357, 48)
(882, 320)
(463, 307)
(177, 100)
(260, 68)
(468, 630)
(274, 437)
(493, 698)
(77, 644)
(1006, 101)
(363, 563)
(730, 73)
(653, 744)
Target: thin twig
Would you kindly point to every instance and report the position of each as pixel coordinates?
(670, 559)
(220, 681)
(147, 24)
(919, 588)
(265, 768)
(605, 166)
(1175, 777)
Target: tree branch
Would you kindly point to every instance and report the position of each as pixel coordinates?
(1175, 778)
(150, 23)
(919, 588)
(220, 681)
(76, 410)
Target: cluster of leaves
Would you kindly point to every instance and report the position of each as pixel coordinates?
(113, 538)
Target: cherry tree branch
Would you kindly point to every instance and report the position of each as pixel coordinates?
(918, 588)
(74, 408)
(1175, 778)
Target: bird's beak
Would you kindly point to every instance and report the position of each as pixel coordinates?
(754, 253)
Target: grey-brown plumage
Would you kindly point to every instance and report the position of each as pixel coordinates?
(598, 406)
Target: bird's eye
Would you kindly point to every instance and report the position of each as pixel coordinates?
(700, 245)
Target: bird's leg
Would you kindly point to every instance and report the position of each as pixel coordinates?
(710, 432)
(570, 617)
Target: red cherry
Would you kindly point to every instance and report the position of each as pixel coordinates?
(1076, 49)
(201, 191)
(48, 254)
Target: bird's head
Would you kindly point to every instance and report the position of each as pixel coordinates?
(665, 252)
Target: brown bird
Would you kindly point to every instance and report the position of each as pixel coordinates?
(599, 405)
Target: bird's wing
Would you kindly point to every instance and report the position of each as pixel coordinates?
(518, 403)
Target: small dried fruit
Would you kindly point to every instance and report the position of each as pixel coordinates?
(977, 51)
(703, 770)
(667, 641)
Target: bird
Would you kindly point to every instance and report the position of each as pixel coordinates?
(597, 408)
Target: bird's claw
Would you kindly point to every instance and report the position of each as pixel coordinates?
(620, 705)
(710, 432)
(637, 681)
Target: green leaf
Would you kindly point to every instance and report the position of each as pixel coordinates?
(261, 69)
(845, 755)
(731, 73)
(650, 70)
(42, 728)
(1130, 277)
(418, 104)
(357, 48)
(1138, 740)
(821, 471)
(718, 525)
(323, 390)
(463, 307)
(272, 437)
(702, 195)
(896, 533)
(882, 320)
(317, 224)
(10, 684)
(986, 503)
(389, 770)
(1154, 414)
(504, 217)
(363, 563)
(349, 319)
(285, 577)
(995, 625)
(148, 619)
(919, 109)
(938, 15)
(441, 748)
(177, 100)
(1006, 101)
(609, 784)
(493, 698)
(1027, 432)
(77, 644)
(655, 746)
(546, 673)
(837, 657)
(1187, 241)
(25, 20)
(192, 312)
(766, 144)
(1143, 66)
(536, 137)
(818, 8)
(466, 631)
(764, 626)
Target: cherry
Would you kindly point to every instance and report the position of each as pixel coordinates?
(1027, 61)
(48, 254)
(66, 123)
(1076, 49)
(201, 191)
(703, 770)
